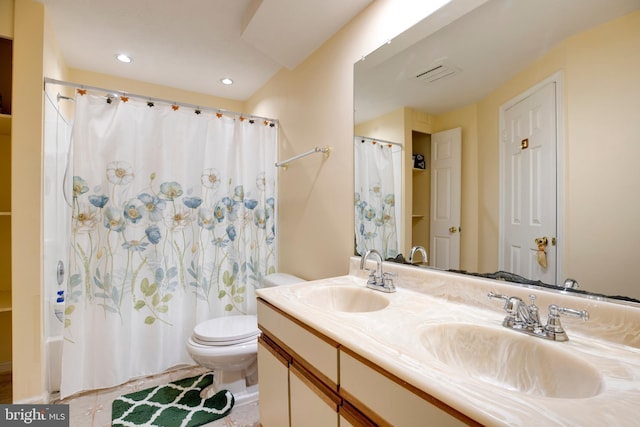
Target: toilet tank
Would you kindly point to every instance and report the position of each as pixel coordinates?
(278, 279)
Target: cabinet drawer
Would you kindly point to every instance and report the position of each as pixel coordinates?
(386, 400)
(316, 353)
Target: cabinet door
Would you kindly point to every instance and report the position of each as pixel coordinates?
(273, 373)
(310, 405)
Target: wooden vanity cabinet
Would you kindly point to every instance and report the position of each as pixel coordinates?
(307, 379)
(298, 373)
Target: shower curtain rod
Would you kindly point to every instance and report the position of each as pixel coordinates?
(382, 141)
(285, 163)
(151, 99)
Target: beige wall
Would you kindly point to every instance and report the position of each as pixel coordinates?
(602, 199)
(389, 127)
(6, 19)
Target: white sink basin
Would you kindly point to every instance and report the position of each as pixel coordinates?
(345, 299)
(511, 360)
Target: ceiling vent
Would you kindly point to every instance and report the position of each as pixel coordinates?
(437, 71)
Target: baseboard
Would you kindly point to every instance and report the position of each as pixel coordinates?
(36, 400)
(5, 367)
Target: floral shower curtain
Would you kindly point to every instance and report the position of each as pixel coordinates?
(375, 216)
(173, 223)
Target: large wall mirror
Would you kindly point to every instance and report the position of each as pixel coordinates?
(468, 74)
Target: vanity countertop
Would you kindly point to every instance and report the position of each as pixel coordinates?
(394, 339)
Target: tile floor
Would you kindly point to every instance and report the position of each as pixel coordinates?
(93, 409)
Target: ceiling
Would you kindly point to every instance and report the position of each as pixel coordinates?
(484, 48)
(192, 44)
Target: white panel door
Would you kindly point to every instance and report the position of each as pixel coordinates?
(528, 198)
(446, 181)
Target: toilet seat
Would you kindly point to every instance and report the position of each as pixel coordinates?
(228, 330)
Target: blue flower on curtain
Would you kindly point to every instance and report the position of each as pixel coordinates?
(154, 206)
(169, 222)
(79, 186)
(98, 200)
(153, 234)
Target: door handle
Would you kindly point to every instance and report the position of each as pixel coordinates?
(542, 243)
(454, 230)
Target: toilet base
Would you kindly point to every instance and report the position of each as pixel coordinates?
(242, 384)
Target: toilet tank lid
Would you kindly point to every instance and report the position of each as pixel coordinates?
(278, 279)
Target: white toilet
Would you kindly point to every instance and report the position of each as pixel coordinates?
(229, 346)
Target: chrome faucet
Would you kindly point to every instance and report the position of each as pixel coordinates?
(420, 250)
(526, 318)
(377, 279)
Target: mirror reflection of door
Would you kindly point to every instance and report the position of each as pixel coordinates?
(528, 200)
(446, 175)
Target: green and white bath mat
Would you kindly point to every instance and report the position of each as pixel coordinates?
(177, 404)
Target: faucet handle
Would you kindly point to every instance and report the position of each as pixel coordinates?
(519, 315)
(373, 279)
(494, 295)
(387, 280)
(555, 311)
(554, 327)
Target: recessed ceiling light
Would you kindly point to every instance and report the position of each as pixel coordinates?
(226, 81)
(124, 58)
